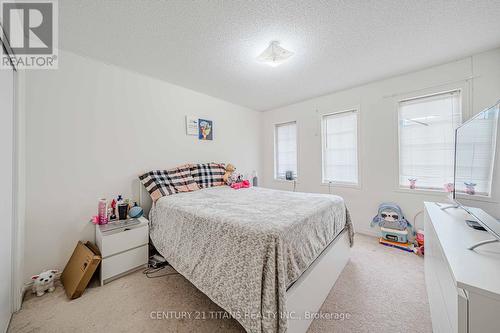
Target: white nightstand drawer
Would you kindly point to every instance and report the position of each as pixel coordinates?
(123, 262)
(124, 240)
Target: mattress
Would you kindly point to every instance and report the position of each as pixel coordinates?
(243, 248)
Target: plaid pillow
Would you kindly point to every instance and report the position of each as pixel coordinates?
(208, 174)
(160, 183)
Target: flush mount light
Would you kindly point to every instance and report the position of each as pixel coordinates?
(274, 55)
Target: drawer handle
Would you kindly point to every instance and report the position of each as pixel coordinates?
(126, 229)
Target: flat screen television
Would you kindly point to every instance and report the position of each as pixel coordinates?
(475, 154)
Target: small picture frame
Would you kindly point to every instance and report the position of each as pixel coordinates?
(191, 125)
(205, 129)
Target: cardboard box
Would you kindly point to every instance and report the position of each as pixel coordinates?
(80, 269)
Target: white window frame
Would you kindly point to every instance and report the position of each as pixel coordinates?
(324, 182)
(463, 91)
(275, 126)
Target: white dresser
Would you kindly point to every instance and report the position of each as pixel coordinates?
(463, 286)
(123, 250)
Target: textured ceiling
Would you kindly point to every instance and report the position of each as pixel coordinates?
(210, 45)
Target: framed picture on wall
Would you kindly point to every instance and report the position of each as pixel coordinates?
(191, 125)
(205, 129)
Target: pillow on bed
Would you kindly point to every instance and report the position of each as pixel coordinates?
(208, 174)
(160, 183)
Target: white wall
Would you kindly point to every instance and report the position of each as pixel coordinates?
(378, 129)
(92, 128)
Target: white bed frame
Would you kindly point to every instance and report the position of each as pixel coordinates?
(309, 292)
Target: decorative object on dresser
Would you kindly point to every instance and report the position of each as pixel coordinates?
(123, 246)
(136, 211)
(462, 285)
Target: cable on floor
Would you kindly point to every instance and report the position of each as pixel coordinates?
(151, 272)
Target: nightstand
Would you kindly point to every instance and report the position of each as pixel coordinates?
(123, 250)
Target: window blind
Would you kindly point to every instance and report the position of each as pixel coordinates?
(427, 139)
(285, 149)
(340, 147)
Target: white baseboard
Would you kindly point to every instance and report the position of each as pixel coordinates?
(368, 232)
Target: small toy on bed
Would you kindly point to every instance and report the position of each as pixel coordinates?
(394, 226)
(44, 282)
(235, 178)
(242, 184)
(229, 171)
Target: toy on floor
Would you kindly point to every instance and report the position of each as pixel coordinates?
(390, 216)
(393, 225)
(395, 235)
(44, 282)
(408, 247)
(419, 240)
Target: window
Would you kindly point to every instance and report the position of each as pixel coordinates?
(340, 147)
(427, 140)
(285, 136)
(475, 154)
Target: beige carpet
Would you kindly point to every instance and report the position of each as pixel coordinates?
(380, 290)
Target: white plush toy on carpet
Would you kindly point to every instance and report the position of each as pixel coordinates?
(44, 282)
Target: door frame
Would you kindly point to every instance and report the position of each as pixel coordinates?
(18, 196)
(18, 161)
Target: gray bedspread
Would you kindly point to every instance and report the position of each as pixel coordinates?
(243, 248)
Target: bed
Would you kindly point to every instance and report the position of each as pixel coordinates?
(267, 257)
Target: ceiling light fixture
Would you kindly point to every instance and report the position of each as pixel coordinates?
(274, 55)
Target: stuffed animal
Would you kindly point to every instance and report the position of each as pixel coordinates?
(44, 282)
(390, 216)
(229, 171)
(242, 184)
(393, 224)
(235, 178)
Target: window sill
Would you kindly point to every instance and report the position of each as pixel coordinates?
(423, 191)
(479, 198)
(443, 193)
(283, 180)
(343, 185)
